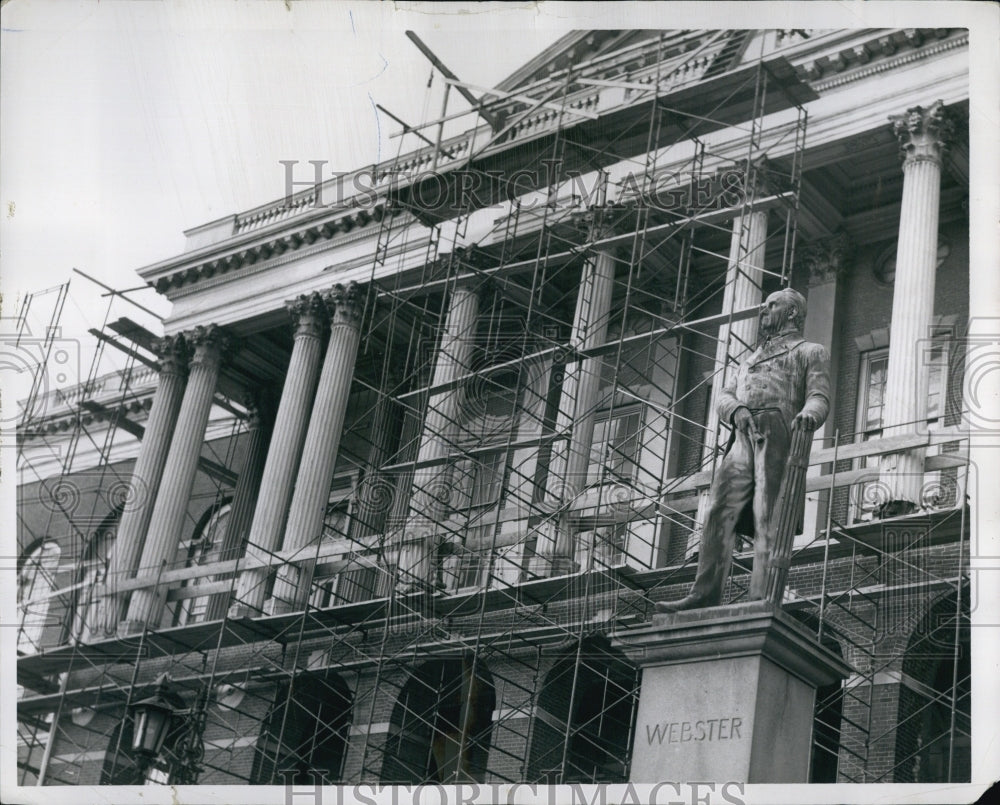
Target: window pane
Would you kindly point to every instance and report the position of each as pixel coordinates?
(615, 446)
(874, 392)
(488, 472)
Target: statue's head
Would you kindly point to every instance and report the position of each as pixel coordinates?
(782, 311)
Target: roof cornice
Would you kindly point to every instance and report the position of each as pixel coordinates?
(256, 246)
(825, 60)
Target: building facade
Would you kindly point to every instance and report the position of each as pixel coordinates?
(420, 443)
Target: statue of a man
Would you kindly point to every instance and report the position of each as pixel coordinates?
(784, 384)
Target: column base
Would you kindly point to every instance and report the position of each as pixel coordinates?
(727, 694)
(896, 508)
(279, 606)
(130, 628)
(548, 567)
(239, 611)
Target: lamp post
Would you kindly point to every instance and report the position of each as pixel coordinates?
(157, 717)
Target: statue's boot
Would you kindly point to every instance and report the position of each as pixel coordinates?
(686, 603)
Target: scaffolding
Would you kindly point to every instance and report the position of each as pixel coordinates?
(498, 667)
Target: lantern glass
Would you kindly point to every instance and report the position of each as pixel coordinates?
(152, 721)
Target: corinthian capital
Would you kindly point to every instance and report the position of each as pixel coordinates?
(308, 313)
(345, 304)
(260, 404)
(923, 134)
(211, 343)
(172, 352)
(827, 259)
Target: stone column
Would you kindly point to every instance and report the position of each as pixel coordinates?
(319, 454)
(827, 261)
(167, 519)
(923, 136)
(145, 481)
(377, 491)
(744, 278)
(432, 485)
(260, 417)
(308, 314)
(554, 551)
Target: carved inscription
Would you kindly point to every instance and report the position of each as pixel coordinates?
(711, 729)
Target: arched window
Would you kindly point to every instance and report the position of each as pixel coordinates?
(828, 713)
(934, 720)
(204, 548)
(441, 725)
(303, 739)
(92, 619)
(586, 708)
(35, 586)
(943, 743)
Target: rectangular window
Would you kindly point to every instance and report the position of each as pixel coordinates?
(871, 408)
(487, 478)
(615, 445)
(337, 526)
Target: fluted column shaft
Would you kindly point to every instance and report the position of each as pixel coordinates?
(319, 454)
(259, 422)
(577, 403)
(167, 519)
(377, 492)
(144, 483)
(744, 279)
(432, 485)
(827, 261)
(309, 316)
(923, 135)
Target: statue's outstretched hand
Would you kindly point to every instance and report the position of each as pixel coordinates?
(804, 421)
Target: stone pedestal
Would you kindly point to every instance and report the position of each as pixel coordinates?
(727, 694)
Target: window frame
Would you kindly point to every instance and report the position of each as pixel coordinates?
(604, 454)
(41, 564)
(202, 550)
(937, 388)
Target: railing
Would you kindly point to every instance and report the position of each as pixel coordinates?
(260, 217)
(630, 66)
(102, 389)
(503, 556)
(453, 150)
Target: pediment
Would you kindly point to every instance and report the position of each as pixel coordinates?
(625, 50)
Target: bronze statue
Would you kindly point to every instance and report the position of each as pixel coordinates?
(780, 394)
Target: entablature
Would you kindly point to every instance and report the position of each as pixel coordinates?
(302, 225)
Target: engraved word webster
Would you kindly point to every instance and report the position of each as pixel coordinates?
(711, 729)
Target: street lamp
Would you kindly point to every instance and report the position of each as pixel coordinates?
(153, 717)
(156, 716)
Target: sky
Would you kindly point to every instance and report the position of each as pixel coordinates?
(124, 123)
